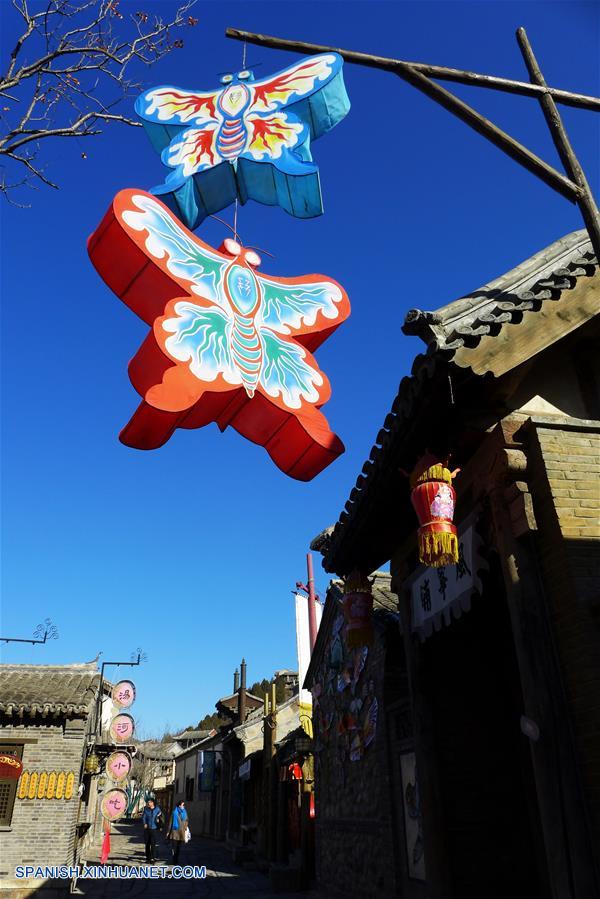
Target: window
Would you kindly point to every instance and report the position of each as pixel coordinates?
(189, 788)
(177, 785)
(8, 787)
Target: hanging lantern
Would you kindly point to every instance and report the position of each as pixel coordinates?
(295, 771)
(433, 498)
(10, 766)
(92, 763)
(358, 610)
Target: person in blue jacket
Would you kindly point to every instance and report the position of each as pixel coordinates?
(178, 829)
(152, 820)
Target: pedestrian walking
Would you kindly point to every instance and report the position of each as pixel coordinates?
(152, 821)
(178, 830)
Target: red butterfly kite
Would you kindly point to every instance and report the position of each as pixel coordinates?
(227, 344)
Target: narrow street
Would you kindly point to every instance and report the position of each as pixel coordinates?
(223, 877)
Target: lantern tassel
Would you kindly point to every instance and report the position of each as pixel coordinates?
(436, 548)
(105, 852)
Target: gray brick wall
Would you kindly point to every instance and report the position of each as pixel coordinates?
(566, 464)
(42, 830)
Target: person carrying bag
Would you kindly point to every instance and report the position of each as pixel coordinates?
(179, 831)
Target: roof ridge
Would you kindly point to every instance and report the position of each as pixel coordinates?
(73, 666)
(440, 327)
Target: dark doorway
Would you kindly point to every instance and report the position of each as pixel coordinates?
(489, 808)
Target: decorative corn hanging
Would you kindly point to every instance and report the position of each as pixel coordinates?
(433, 498)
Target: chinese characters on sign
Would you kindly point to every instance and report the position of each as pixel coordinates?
(114, 804)
(123, 694)
(118, 765)
(121, 728)
(439, 594)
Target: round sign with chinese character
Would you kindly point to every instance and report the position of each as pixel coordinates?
(114, 804)
(123, 694)
(121, 728)
(118, 765)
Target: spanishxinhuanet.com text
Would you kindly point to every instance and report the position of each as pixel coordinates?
(108, 872)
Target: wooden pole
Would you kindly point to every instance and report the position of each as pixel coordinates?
(443, 73)
(411, 74)
(272, 781)
(312, 612)
(586, 202)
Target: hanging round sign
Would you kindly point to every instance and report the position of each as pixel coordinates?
(118, 765)
(123, 694)
(114, 804)
(10, 766)
(121, 728)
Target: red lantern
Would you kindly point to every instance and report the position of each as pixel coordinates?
(358, 610)
(10, 767)
(434, 498)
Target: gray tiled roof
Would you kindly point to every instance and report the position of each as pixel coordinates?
(503, 301)
(58, 690)
(193, 735)
(157, 751)
(383, 598)
(459, 325)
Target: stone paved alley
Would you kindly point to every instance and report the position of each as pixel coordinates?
(223, 877)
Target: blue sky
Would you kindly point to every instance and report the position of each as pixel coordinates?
(202, 541)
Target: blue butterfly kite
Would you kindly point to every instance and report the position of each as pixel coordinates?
(248, 139)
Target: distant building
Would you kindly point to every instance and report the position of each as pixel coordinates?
(286, 682)
(46, 713)
(188, 738)
(154, 767)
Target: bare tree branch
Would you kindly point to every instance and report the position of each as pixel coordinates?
(69, 70)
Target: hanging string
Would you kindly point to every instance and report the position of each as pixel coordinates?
(235, 215)
(235, 208)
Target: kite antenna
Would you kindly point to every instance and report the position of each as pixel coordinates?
(227, 225)
(261, 250)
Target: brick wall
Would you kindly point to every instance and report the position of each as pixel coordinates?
(565, 462)
(355, 844)
(42, 831)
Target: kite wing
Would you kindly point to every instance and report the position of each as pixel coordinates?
(193, 150)
(200, 336)
(172, 106)
(287, 373)
(165, 111)
(302, 305)
(186, 258)
(295, 83)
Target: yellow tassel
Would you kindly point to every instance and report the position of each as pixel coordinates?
(437, 549)
(437, 472)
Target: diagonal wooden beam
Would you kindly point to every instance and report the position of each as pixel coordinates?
(586, 202)
(443, 73)
(553, 178)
